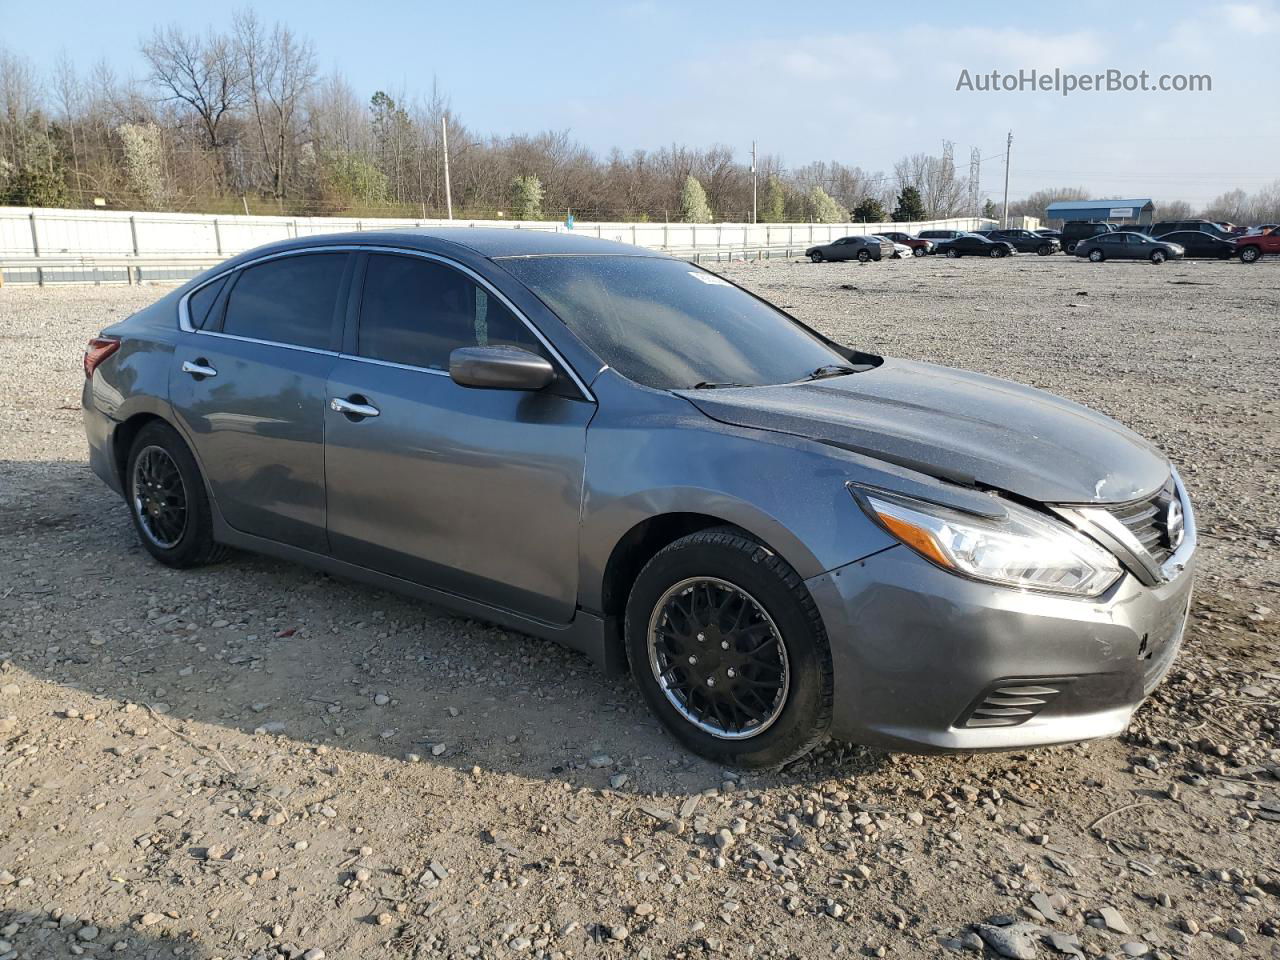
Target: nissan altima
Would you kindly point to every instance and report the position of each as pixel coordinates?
(783, 538)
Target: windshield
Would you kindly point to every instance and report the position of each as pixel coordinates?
(669, 325)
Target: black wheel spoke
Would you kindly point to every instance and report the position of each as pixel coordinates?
(159, 497)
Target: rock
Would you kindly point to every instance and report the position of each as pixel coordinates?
(1044, 905)
(1113, 920)
(381, 700)
(1135, 948)
(600, 761)
(1236, 936)
(643, 909)
(1016, 941)
(619, 933)
(7, 878)
(438, 749)
(10, 690)
(1064, 943)
(150, 919)
(88, 932)
(724, 839)
(315, 953)
(618, 781)
(7, 724)
(385, 919)
(1189, 925)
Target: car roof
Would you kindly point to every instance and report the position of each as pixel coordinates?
(490, 242)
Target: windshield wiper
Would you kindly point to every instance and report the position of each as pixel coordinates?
(708, 385)
(828, 370)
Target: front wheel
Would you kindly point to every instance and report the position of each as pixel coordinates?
(1159, 256)
(729, 650)
(1096, 256)
(167, 499)
(1070, 248)
(1250, 255)
(953, 254)
(816, 256)
(1044, 250)
(996, 252)
(917, 252)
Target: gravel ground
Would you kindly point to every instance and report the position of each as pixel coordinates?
(254, 760)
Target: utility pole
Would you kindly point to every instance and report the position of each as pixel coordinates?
(444, 142)
(975, 182)
(753, 181)
(1008, 148)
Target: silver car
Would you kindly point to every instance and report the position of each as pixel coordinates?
(781, 537)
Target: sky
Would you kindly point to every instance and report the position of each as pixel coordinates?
(864, 84)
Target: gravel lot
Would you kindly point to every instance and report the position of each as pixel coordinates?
(256, 760)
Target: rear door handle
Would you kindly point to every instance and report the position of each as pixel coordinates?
(355, 407)
(199, 368)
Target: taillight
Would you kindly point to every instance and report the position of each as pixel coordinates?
(99, 349)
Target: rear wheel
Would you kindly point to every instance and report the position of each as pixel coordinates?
(729, 650)
(864, 255)
(1097, 256)
(1070, 248)
(953, 253)
(1159, 256)
(167, 499)
(1250, 254)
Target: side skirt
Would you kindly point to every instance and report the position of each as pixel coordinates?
(586, 633)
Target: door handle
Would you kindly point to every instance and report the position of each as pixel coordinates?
(354, 407)
(200, 368)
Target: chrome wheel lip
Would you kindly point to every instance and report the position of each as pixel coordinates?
(685, 712)
(152, 458)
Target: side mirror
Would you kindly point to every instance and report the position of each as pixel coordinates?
(500, 367)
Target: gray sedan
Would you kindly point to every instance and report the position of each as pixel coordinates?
(852, 248)
(1122, 245)
(781, 537)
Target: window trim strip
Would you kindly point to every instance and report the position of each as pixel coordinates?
(184, 318)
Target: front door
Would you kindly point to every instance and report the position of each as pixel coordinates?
(476, 492)
(248, 385)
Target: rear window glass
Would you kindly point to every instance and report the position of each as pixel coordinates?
(201, 302)
(289, 300)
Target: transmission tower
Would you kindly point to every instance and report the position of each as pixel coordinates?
(975, 180)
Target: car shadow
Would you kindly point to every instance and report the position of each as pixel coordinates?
(54, 935)
(272, 649)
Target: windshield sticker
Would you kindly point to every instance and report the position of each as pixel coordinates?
(710, 278)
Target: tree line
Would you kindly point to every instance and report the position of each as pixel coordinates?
(240, 119)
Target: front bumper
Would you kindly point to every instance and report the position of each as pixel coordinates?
(916, 650)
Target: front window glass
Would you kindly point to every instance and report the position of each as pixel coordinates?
(669, 325)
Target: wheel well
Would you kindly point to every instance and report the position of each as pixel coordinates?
(637, 547)
(122, 440)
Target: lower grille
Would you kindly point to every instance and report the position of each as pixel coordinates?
(1014, 702)
(1148, 520)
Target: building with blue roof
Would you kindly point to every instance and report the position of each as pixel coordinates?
(1141, 210)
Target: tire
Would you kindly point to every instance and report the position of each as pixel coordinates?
(917, 251)
(1158, 256)
(1044, 250)
(1097, 256)
(816, 256)
(793, 712)
(997, 252)
(864, 256)
(953, 253)
(161, 474)
(1250, 254)
(1070, 248)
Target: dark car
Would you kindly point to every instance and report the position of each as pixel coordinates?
(1196, 243)
(784, 537)
(919, 245)
(1178, 226)
(1026, 241)
(852, 248)
(1077, 230)
(1128, 246)
(937, 235)
(1047, 232)
(976, 245)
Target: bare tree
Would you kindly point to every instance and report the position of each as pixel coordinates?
(206, 74)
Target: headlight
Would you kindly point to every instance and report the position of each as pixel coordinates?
(1025, 550)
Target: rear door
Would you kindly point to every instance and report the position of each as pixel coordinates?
(248, 385)
(476, 492)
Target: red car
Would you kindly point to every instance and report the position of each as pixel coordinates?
(919, 246)
(1253, 247)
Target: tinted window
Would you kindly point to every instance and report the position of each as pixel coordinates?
(417, 311)
(669, 325)
(289, 300)
(200, 302)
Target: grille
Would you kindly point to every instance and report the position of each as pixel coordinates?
(1145, 519)
(1014, 703)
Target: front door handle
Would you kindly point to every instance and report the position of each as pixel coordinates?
(200, 368)
(355, 407)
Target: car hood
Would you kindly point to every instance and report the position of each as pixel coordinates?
(958, 426)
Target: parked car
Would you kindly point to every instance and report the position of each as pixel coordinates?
(1076, 230)
(1047, 232)
(976, 245)
(1261, 228)
(1158, 230)
(865, 248)
(938, 235)
(1196, 243)
(900, 250)
(1128, 246)
(1025, 241)
(1254, 247)
(596, 443)
(919, 245)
